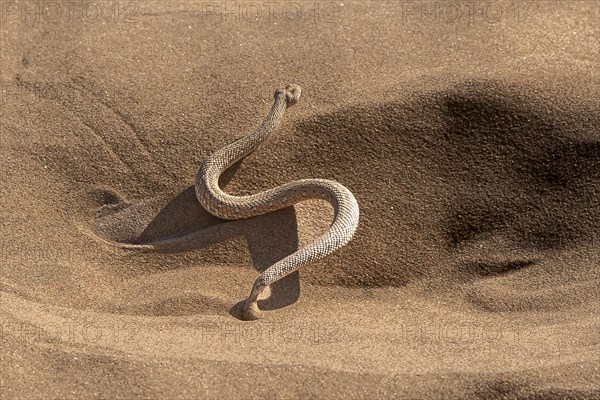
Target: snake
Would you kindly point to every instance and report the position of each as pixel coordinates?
(225, 206)
(229, 207)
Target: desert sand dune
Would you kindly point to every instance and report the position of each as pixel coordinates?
(473, 150)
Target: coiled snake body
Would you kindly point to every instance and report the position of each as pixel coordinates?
(225, 206)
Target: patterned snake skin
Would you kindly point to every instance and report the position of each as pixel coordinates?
(225, 206)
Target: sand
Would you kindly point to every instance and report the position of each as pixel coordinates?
(470, 135)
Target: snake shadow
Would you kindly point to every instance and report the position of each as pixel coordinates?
(269, 237)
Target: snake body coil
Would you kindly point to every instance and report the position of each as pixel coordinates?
(225, 206)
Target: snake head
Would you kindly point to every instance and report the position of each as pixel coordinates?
(292, 94)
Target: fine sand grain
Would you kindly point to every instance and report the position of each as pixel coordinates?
(469, 136)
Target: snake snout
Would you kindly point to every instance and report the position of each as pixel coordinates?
(292, 94)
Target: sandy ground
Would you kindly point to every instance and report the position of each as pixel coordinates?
(469, 133)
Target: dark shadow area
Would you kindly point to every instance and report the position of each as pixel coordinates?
(180, 217)
(184, 214)
(514, 387)
(483, 269)
(518, 169)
